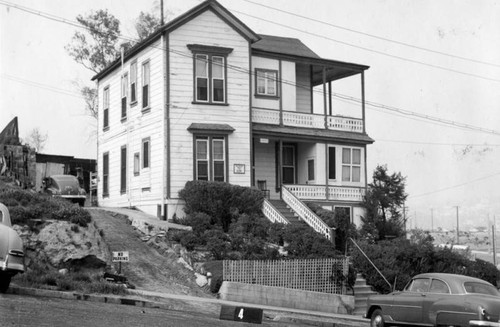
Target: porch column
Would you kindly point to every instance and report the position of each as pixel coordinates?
(330, 111)
(325, 103)
(363, 100)
(326, 171)
(280, 92)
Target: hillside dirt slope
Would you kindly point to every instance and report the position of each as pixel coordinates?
(147, 269)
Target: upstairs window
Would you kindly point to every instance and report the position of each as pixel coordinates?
(133, 82)
(351, 165)
(124, 95)
(145, 85)
(266, 82)
(210, 70)
(105, 106)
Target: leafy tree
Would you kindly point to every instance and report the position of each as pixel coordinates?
(146, 24)
(384, 202)
(37, 139)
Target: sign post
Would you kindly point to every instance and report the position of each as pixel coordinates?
(120, 256)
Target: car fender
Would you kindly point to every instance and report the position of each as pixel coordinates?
(451, 310)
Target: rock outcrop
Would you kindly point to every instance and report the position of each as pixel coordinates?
(62, 244)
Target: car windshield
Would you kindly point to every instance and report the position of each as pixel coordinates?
(419, 285)
(480, 288)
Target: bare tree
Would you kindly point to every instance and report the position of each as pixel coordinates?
(37, 139)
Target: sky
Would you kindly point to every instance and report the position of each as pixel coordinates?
(433, 87)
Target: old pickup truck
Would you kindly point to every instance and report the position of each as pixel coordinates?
(11, 250)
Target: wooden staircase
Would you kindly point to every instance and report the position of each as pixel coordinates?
(361, 293)
(281, 206)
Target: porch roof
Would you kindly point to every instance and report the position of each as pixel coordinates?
(294, 50)
(310, 134)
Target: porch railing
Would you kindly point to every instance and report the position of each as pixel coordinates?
(299, 119)
(273, 214)
(306, 214)
(324, 192)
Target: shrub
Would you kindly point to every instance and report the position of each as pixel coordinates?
(301, 241)
(222, 202)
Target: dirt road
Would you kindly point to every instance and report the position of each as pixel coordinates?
(147, 269)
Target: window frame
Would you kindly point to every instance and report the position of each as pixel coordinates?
(209, 140)
(210, 52)
(133, 83)
(123, 169)
(137, 163)
(146, 157)
(146, 85)
(332, 163)
(351, 165)
(105, 174)
(124, 96)
(266, 94)
(105, 108)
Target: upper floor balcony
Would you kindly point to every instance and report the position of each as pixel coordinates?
(299, 119)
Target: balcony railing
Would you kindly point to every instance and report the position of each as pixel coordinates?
(323, 192)
(299, 119)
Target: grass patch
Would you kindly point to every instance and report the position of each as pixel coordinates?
(77, 281)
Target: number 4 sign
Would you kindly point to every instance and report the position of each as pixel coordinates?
(243, 314)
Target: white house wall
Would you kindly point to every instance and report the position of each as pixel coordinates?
(208, 29)
(145, 189)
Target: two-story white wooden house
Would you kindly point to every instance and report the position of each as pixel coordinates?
(206, 98)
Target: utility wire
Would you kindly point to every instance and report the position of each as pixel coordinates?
(371, 50)
(374, 36)
(455, 186)
(246, 71)
(42, 86)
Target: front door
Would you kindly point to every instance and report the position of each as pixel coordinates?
(288, 164)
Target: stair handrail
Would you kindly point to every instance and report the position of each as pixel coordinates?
(371, 262)
(306, 214)
(273, 214)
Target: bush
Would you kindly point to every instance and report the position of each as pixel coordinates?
(401, 259)
(302, 241)
(222, 202)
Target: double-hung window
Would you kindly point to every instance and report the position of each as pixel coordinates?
(266, 82)
(133, 82)
(351, 165)
(124, 96)
(210, 158)
(146, 152)
(105, 106)
(105, 174)
(145, 85)
(123, 169)
(210, 71)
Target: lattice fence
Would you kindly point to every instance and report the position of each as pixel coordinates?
(318, 275)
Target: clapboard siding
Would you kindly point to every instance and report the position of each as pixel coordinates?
(139, 125)
(207, 29)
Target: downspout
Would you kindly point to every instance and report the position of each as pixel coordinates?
(166, 122)
(251, 140)
(127, 147)
(97, 148)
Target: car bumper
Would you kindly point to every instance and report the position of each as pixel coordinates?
(13, 265)
(473, 323)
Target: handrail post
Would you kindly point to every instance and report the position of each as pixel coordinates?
(357, 246)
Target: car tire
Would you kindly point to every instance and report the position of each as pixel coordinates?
(4, 283)
(377, 320)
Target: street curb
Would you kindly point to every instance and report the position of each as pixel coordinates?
(211, 306)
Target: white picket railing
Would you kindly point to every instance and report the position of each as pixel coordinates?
(271, 213)
(319, 192)
(299, 119)
(305, 213)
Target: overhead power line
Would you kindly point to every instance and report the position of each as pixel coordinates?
(376, 36)
(372, 50)
(342, 97)
(455, 186)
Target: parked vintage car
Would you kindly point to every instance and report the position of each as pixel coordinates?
(437, 299)
(65, 186)
(11, 250)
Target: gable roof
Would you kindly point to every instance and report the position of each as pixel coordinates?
(211, 5)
